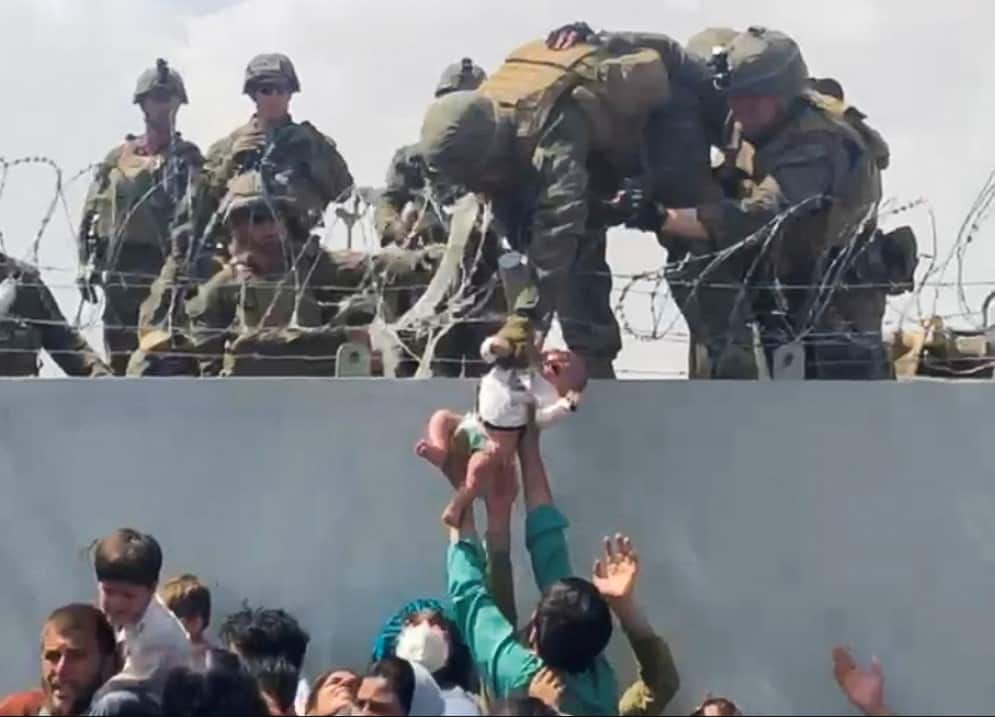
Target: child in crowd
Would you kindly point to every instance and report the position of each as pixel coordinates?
(150, 638)
(190, 601)
(481, 445)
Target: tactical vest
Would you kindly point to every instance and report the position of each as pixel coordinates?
(616, 92)
(855, 195)
(133, 207)
(858, 121)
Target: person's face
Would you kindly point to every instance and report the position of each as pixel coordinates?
(434, 619)
(160, 108)
(123, 603)
(255, 246)
(72, 670)
(336, 692)
(194, 626)
(375, 697)
(272, 100)
(756, 113)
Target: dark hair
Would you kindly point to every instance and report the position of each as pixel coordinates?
(400, 676)
(218, 691)
(128, 556)
(573, 625)
(85, 618)
(187, 597)
(524, 706)
(276, 677)
(265, 633)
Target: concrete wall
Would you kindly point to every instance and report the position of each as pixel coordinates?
(774, 520)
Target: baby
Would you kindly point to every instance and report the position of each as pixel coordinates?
(481, 445)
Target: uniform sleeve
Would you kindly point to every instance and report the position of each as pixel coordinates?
(802, 173)
(658, 679)
(101, 177)
(546, 540)
(329, 170)
(397, 194)
(211, 316)
(504, 665)
(67, 347)
(682, 67)
(560, 211)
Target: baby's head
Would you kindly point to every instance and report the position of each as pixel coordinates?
(565, 370)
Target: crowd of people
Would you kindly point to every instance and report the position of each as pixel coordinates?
(760, 181)
(144, 647)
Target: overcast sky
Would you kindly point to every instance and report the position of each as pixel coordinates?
(922, 71)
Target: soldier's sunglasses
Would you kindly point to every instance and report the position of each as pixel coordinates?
(273, 90)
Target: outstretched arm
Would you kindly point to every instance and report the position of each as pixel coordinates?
(864, 688)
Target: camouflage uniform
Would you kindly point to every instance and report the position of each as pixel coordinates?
(820, 158)
(408, 184)
(128, 218)
(541, 196)
(288, 324)
(31, 321)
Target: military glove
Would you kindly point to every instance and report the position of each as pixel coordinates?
(576, 33)
(650, 217)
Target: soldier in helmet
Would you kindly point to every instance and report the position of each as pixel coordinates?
(273, 307)
(131, 208)
(31, 321)
(406, 216)
(296, 156)
(811, 213)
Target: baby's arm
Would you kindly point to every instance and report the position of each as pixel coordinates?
(550, 406)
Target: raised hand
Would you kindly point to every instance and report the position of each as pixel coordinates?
(576, 33)
(864, 688)
(615, 574)
(547, 688)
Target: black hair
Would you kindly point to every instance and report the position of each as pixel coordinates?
(400, 676)
(276, 677)
(573, 625)
(265, 633)
(128, 556)
(220, 690)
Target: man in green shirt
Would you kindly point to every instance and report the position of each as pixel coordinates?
(568, 631)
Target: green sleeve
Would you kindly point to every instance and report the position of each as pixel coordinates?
(546, 540)
(658, 679)
(504, 665)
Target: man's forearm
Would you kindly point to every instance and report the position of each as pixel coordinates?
(535, 482)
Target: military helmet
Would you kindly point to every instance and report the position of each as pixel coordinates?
(250, 189)
(462, 75)
(704, 43)
(764, 62)
(458, 134)
(162, 76)
(269, 67)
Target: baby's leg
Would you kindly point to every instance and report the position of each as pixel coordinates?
(479, 470)
(434, 448)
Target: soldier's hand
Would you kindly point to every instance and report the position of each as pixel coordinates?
(247, 143)
(576, 33)
(86, 280)
(649, 218)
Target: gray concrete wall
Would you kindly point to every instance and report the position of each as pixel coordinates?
(774, 520)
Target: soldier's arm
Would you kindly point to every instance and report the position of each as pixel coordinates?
(801, 179)
(682, 67)
(67, 347)
(390, 204)
(560, 208)
(211, 313)
(101, 177)
(329, 169)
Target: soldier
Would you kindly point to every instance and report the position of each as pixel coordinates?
(130, 209)
(30, 320)
(278, 306)
(818, 175)
(546, 136)
(296, 157)
(406, 216)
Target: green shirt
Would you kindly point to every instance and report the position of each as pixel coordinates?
(507, 667)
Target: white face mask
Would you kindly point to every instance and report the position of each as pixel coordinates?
(424, 644)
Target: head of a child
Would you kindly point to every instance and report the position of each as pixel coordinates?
(127, 564)
(190, 600)
(565, 370)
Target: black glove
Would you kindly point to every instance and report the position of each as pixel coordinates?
(576, 33)
(649, 217)
(86, 281)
